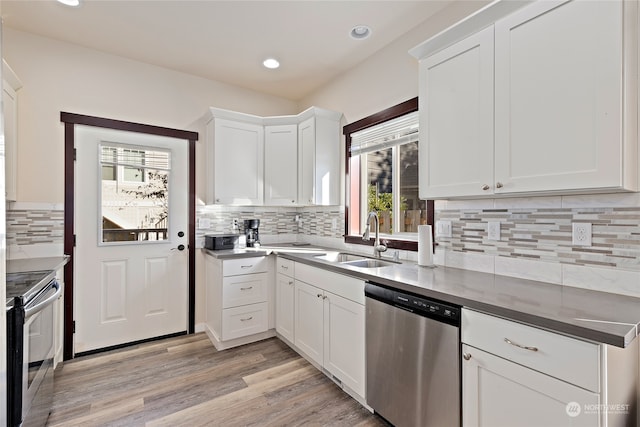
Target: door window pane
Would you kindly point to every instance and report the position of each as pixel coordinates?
(134, 194)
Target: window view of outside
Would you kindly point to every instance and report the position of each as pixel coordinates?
(134, 194)
(392, 188)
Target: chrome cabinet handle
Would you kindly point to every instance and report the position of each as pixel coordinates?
(319, 295)
(508, 341)
(247, 319)
(485, 187)
(246, 289)
(466, 356)
(499, 185)
(246, 266)
(291, 282)
(284, 267)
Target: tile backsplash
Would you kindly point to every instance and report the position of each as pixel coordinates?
(546, 235)
(535, 240)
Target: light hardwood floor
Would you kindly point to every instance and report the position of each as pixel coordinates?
(185, 381)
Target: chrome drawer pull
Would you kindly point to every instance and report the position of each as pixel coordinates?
(246, 289)
(246, 266)
(247, 319)
(466, 356)
(508, 341)
(284, 267)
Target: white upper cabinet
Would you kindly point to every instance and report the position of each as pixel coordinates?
(10, 85)
(236, 151)
(281, 165)
(560, 98)
(456, 100)
(306, 160)
(319, 168)
(563, 89)
(273, 161)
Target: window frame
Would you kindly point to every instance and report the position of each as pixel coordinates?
(390, 113)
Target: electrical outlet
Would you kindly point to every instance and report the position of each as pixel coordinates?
(493, 230)
(581, 235)
(444, 229)
(334, 224)
(204, 223)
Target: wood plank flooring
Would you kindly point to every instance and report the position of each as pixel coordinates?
(185, 381)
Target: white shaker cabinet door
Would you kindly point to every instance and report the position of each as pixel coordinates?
(281, 165)
(344, 351)
(500, 393)
(456, 117)
(309, 322)
(285, 306)
(559, 88)
(238, 163)
(307, 161)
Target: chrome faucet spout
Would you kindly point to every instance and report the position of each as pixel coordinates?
(378, 248)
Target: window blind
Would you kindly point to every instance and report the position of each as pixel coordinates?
(398, 131)
(136, 157)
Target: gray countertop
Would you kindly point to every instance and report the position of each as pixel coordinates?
(36, 264)
(597, 316)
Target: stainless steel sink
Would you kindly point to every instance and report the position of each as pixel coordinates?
(340, 257)
(369, 263)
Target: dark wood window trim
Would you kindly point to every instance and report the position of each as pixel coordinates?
(70, 120)
(401, 109)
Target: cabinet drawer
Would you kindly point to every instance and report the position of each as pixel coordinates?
(242, 321)
(244, 289)
(234, 267)
(285, 266)
(569, 359)
(339, 284)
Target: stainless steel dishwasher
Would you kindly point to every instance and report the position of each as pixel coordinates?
(413, 358)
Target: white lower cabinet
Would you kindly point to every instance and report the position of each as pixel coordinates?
(518, 375)
(285, 296)
(497, 392)
(238, 295)
(328, 325)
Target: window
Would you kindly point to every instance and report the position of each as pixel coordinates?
(382, 176)
(134, 194)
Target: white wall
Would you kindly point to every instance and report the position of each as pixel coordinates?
(59, 76)
(388, 77)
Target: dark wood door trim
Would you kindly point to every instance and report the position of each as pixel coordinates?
(70, 120)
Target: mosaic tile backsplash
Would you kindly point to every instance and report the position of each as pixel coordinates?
(533, 234)
(34, 226)
(274, 221)
(546, 235)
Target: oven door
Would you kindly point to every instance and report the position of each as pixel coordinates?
(38, 352)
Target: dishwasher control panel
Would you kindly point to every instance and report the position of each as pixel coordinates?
(418, 305)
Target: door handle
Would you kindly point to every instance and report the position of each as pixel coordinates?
(180, 248)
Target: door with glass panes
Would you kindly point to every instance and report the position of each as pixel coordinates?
(131, 260)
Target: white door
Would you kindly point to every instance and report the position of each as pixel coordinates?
(456, 116)
(500, 393)
(344, 351)
(280, 165)
(559, 92)
(308, 320)
(131, 261)
(285, 306)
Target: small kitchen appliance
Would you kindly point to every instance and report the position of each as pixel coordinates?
(218, 242)
(251, 231)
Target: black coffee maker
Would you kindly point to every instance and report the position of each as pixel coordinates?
(251, 231)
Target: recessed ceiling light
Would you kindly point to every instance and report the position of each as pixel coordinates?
(360, 32)
(271, 63)
(70, 2)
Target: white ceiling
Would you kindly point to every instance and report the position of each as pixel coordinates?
(228, 40)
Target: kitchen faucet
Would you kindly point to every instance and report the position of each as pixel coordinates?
(378, 248)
